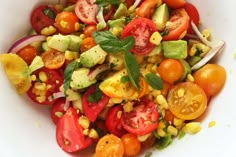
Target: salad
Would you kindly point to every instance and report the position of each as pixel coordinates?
(123, 75)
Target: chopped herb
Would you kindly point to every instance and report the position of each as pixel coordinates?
(48, 12)
(112, 65)
(154, 81)
(124, 79)
(38, 80)
(103, 3)
(96, 96)
(148, 154)
(164, 141)
(181, 134)
(99, 130)
(198, 52)
(161, 117)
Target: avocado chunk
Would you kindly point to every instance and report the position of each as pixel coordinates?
(93, 56)
(59, 42)
(161, 16)
(187, 69)
(45, 46)
(156, 51)
(80, 79)
(121, 11)
(75, 42)
(176, 49)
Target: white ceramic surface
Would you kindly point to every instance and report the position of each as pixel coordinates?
(26, 129)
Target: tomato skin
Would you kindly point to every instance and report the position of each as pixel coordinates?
(133, 121)
(108, 146)
(55, 80)
(27, 53)
(146, 8)
(187, 100)
(86, 11)
(91, 109)
(141, 29)
(211, 78)
(113, 123)
(53, 59)
(87, 44)
(69, 134)
(89, 29)
(174, 4)
(40, 20)
(170, 70)
(67, 22)
(177, 25)
(193, 15)
(131, 144)
(57, 107)
(129, 3)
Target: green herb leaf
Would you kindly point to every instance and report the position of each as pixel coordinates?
(165, 141)
(103, 3)
(124, 79)
(148, 154)
(132, 68)
(48, 12)
(68, 73)
(96, 96)
(154, 81)
(181, 134)
(127, 43)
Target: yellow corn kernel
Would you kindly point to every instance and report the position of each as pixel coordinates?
(93, 134)
(143, 137)
(128, 106)
(152, 59)
(178, 122)
(86, 131)
(161, 125)
(48, 30)
(192, 127)
(72, 95)
(199, 47)
(82, 36)
(162, 101)
(43, 76)
(211, 124)
(77, 26)
(41, 99)
(155, 93)
(131, 9)
(149, 67)
(115, 100)
(155, 38)
(116, 31)
(180, 92)
(84, 122)
(190, 78)
(40, 86)
(159, 2)
(154, 69)
(206, 33)
(49, 86)
(172, 130)
(33, 77)
(69, 55)
(77, 104)
(161, 132)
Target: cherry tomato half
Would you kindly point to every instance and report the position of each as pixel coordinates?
(86, 11)
(211, 78)
(57, 110)
(43, 16)
(53, 59)
(113, 122)
(174, 4)
(146, 8)
(53, 82)
(89, 29)
(92, 109)
(142, 120)
(187, 101)
(131, 144)
(193, 15)
(27, 53)
(141, 29)
(69, 133)
(108, 146)
(177, 25)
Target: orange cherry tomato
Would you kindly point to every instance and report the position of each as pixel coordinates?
(53, 59)
(174, 4)
(131, 144)
(170, 70)
(169, 117)
(143, 87)
(165, 89)
(147, 8)
(88, 30)
(109, 146)
(211, 78)
(177, 25)
(67, 22)
(27, 53)
(187, 101)
(87, 43)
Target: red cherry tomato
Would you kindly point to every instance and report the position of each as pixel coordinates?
(69, 134)
(89, 29)
(43, 16)
(193, 15)
(113, 122)
(141, 29)
(146, 8)
(27, 53)
(177, 25)
(86, 11)
(129, 3)
(53, 83)
(92, 109)
(142, 120)
(57, 110)
(174, 4)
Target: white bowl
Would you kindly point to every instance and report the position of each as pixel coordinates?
(26, 130)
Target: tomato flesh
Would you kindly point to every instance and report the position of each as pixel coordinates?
(187, 101)
(141, 29)
(142, 120)
(57, 110)
(69, 133)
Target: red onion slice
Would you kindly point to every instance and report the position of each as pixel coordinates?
(25, 41)
(97, 70)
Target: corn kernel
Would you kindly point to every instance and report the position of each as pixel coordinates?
(43, 76)
(178, 122)
(190, 78)
(48, 30)
(40, 86)
(172, 130)
(155, 38)
(161, 132)
(143, 137)
(84, 122)
(86, 131)
(192, 127)
(33, 77)
(116, 31)
(115, 100)
(161, 125)
(82, 36)
(131, 9)
(128, 106)
(211, 124)
(93, 134)
(41, 99)
(206, 33)
(77, 26)
(162, 101)
(180, 92)
(199, 48)
(69, 55)
(77, 104)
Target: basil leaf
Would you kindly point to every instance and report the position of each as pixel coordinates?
(96, 96)
(107, 2)
(132, 69)
(127, 43)
(124, 79)
(48, 12)
(165, 141)
(70, 68)
(148, 154)
(154, 81)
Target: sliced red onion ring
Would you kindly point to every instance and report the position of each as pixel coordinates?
(25, 41)
(56, 96)
(101, 21)
(96, 70)
(67, 105)
(136, 3)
